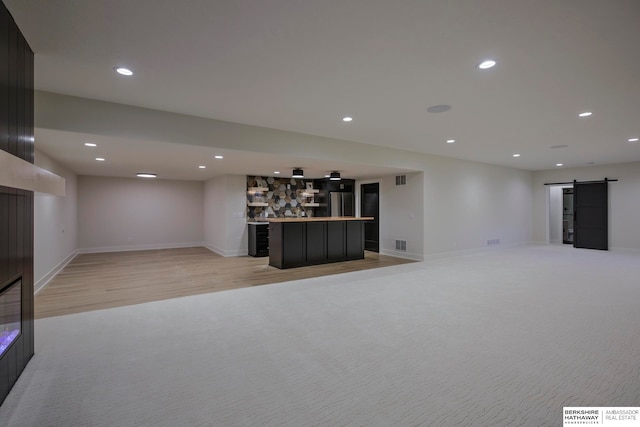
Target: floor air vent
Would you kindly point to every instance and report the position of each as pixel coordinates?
(401, 245)
(401, 179)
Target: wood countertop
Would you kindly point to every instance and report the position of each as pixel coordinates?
(322, 218)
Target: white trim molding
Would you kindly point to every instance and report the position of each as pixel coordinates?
(44, 281)
(129, 248)
(401, 254)
(221, 252)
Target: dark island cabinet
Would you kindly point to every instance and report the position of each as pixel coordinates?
(301, 243)
(355, 239)
(336, 243)
(316, 244)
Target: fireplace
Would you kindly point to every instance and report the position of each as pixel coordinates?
(10, 315)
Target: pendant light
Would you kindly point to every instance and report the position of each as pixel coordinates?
(297, 173)
(334, 176)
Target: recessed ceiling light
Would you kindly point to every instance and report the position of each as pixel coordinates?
(559, 164)
(516, 155)
(276, 172)
(487, 64)
(90, 144)
(146, 175)
(585, 114)
(347, 119)
(100, 159)
(327, 176)
(450, 141)
(123, 71)
(218, 157)
(633, 139)
(202, 167)
(439, 108)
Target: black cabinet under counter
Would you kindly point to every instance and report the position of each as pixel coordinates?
(258, 239)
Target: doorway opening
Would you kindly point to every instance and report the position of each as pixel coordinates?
(370, 206)
(561, 214)
(567, 216)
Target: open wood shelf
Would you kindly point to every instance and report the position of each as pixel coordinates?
(257, 190)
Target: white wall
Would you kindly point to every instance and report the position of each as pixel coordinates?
(225, 227)
(403, 210)
(237, 231)
(467, 203)
(215, 219)
(624, 200)
(454, 206)
(130, 214)
(55, 224)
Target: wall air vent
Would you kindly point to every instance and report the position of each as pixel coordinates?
(401, 179)
(401, 245)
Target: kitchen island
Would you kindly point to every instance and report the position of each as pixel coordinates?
(296, 242)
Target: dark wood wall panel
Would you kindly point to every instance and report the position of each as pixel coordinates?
(4, 232)
(28, 319)
(29, 87)
(12, 112)
(20, 96)
(16, 206)
(4, 78)
(12, 237)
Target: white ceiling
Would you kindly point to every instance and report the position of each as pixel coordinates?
(302, 65)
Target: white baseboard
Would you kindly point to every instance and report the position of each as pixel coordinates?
(40, 284)
(474, 251)
(139, 247)
(402, 254)
(221, 252)
(632, 251)
(619, 249)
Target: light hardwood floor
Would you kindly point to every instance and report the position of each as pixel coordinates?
(107, 280)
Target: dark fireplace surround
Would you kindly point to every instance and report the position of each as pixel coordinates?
(16, 205)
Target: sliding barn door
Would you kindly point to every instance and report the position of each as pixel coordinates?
(591, 223)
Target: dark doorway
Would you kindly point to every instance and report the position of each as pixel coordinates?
(567, 215)
(370, 206)
(590, 215)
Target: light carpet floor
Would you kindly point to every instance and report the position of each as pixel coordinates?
(501, 338)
